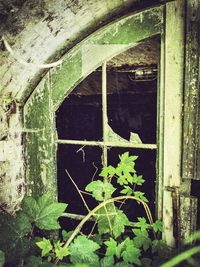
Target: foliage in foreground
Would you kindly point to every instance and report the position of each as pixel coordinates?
(31, 238)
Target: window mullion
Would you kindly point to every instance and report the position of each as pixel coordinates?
(104, 115)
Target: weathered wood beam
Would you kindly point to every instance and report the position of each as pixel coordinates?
(191, 129)
(174, 64)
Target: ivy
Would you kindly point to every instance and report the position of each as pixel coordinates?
(120, 221)
(141, 239)
(82, 250)
(30, 236)
(100, 190)
(44, 211)
(2, 258)
(45, 246)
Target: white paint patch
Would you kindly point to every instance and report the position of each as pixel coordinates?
(94, 55)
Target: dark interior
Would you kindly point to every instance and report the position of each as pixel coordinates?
(131, 108)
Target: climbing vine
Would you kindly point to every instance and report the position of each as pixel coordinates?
(31, 238)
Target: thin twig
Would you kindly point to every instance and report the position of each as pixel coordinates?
(96, 170)
(86, 193)
(81, 149)
(27, 64)
(93, 227)
(84, 202)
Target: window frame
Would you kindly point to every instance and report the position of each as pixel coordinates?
(39, 110)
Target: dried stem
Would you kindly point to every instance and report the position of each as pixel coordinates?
(27, 64)
(84, 202)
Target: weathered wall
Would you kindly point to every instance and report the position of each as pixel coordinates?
(39, 32)
(12, 183)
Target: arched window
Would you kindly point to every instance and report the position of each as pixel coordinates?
(87, 57)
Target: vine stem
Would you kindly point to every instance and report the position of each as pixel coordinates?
(181, 257)
(102, 204)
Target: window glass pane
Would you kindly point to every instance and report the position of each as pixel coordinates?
(80, 115)
(83, 165)
(132, 92)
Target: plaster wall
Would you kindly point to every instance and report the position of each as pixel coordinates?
(42, 32)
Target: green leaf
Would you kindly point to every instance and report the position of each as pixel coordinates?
(13, 237)
(127, 159)
(122, 179)
(60, 251)
(105, 217)
(131, 255)
(30, 207)
(111, 249)
(127, 190)
(44, 211)
(157, 226)
(48, 217)
(2, 258)
(142, 224)
(141, 196)
(66, 235)
(107, 171)
(107, 261)
(138, 180)
(141, 239)
(45, 246)
(119, 223)
(100, 190)
(82, 250)
(160, 247)
(125, 168)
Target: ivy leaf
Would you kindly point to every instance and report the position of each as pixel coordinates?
(2, 258)
(125, 158)
(13, 237)
(66, 235)
(131, 255)
(125, 167)
(127, 190)
(105, 217)
(157, 226)
(100, 190)
(119, 223)
(141, 239)
(111, 247)
(60, 251)
(48, 217)
(30, 207)
(160, 247)
(142, 224)
(141, 196)
(44, 211)
(122, 180)
(82, 250)
(138, 180)
(107, 171)
(107, 261)
(45, 246)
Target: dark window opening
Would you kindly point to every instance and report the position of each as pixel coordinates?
(195, 189)
(132, 116)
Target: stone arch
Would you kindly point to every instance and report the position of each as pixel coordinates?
(51, 91)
